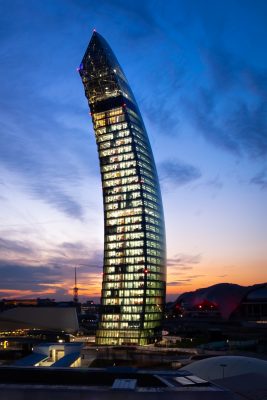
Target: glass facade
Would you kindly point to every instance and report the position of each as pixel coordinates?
(134, 281)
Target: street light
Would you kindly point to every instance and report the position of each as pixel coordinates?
(223, 366)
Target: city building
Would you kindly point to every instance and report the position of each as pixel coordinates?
(224, 300)
(39, 318)
(65, 355)
(133, 288)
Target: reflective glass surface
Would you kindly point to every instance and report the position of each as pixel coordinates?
(133, 288)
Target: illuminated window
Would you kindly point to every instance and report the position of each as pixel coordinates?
(133, 286)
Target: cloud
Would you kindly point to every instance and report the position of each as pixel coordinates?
(184, 261)
(206, 121)
(77, 246)
(229, 107)
(11, 247)
(87, 260)
(43, 168)
(240, 130)
(255, 81)
(185, 281)
(196, 276)
(16, 276)
(178, 173)
(56, 197)
(26, 268)
(215, 183)
(182, 282)
(44, 134)
(43, 173)
(260, 179)
(249, 126)
(222, 67)
(42, 123)
(68, 254)
(135, 11)
(159, 116)
(136, 20)
(53, 279)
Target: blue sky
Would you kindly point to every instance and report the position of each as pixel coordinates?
(198, 70)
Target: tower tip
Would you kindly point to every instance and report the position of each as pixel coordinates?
(75, 289)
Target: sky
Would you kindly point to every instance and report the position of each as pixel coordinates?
(198, 69)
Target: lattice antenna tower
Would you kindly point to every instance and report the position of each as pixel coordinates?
(75, 289)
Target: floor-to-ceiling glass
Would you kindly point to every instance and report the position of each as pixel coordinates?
(133, 287)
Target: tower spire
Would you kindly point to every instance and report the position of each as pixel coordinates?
(75, 289)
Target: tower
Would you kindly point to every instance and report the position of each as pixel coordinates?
(133, 287)
(75, 289)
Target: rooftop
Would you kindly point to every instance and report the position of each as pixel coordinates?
(34, 383)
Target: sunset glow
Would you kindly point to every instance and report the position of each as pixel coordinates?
(198, 71)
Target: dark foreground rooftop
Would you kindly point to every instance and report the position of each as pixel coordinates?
(19, 383)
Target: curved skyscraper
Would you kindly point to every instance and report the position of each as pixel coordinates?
(133, 288)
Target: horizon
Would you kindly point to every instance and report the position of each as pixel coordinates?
(96, 300)
(199, 76)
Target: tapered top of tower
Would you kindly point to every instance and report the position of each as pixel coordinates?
(101, 72)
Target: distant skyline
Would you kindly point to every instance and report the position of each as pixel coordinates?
(198, 70)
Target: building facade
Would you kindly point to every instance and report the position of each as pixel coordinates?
(134, 271)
